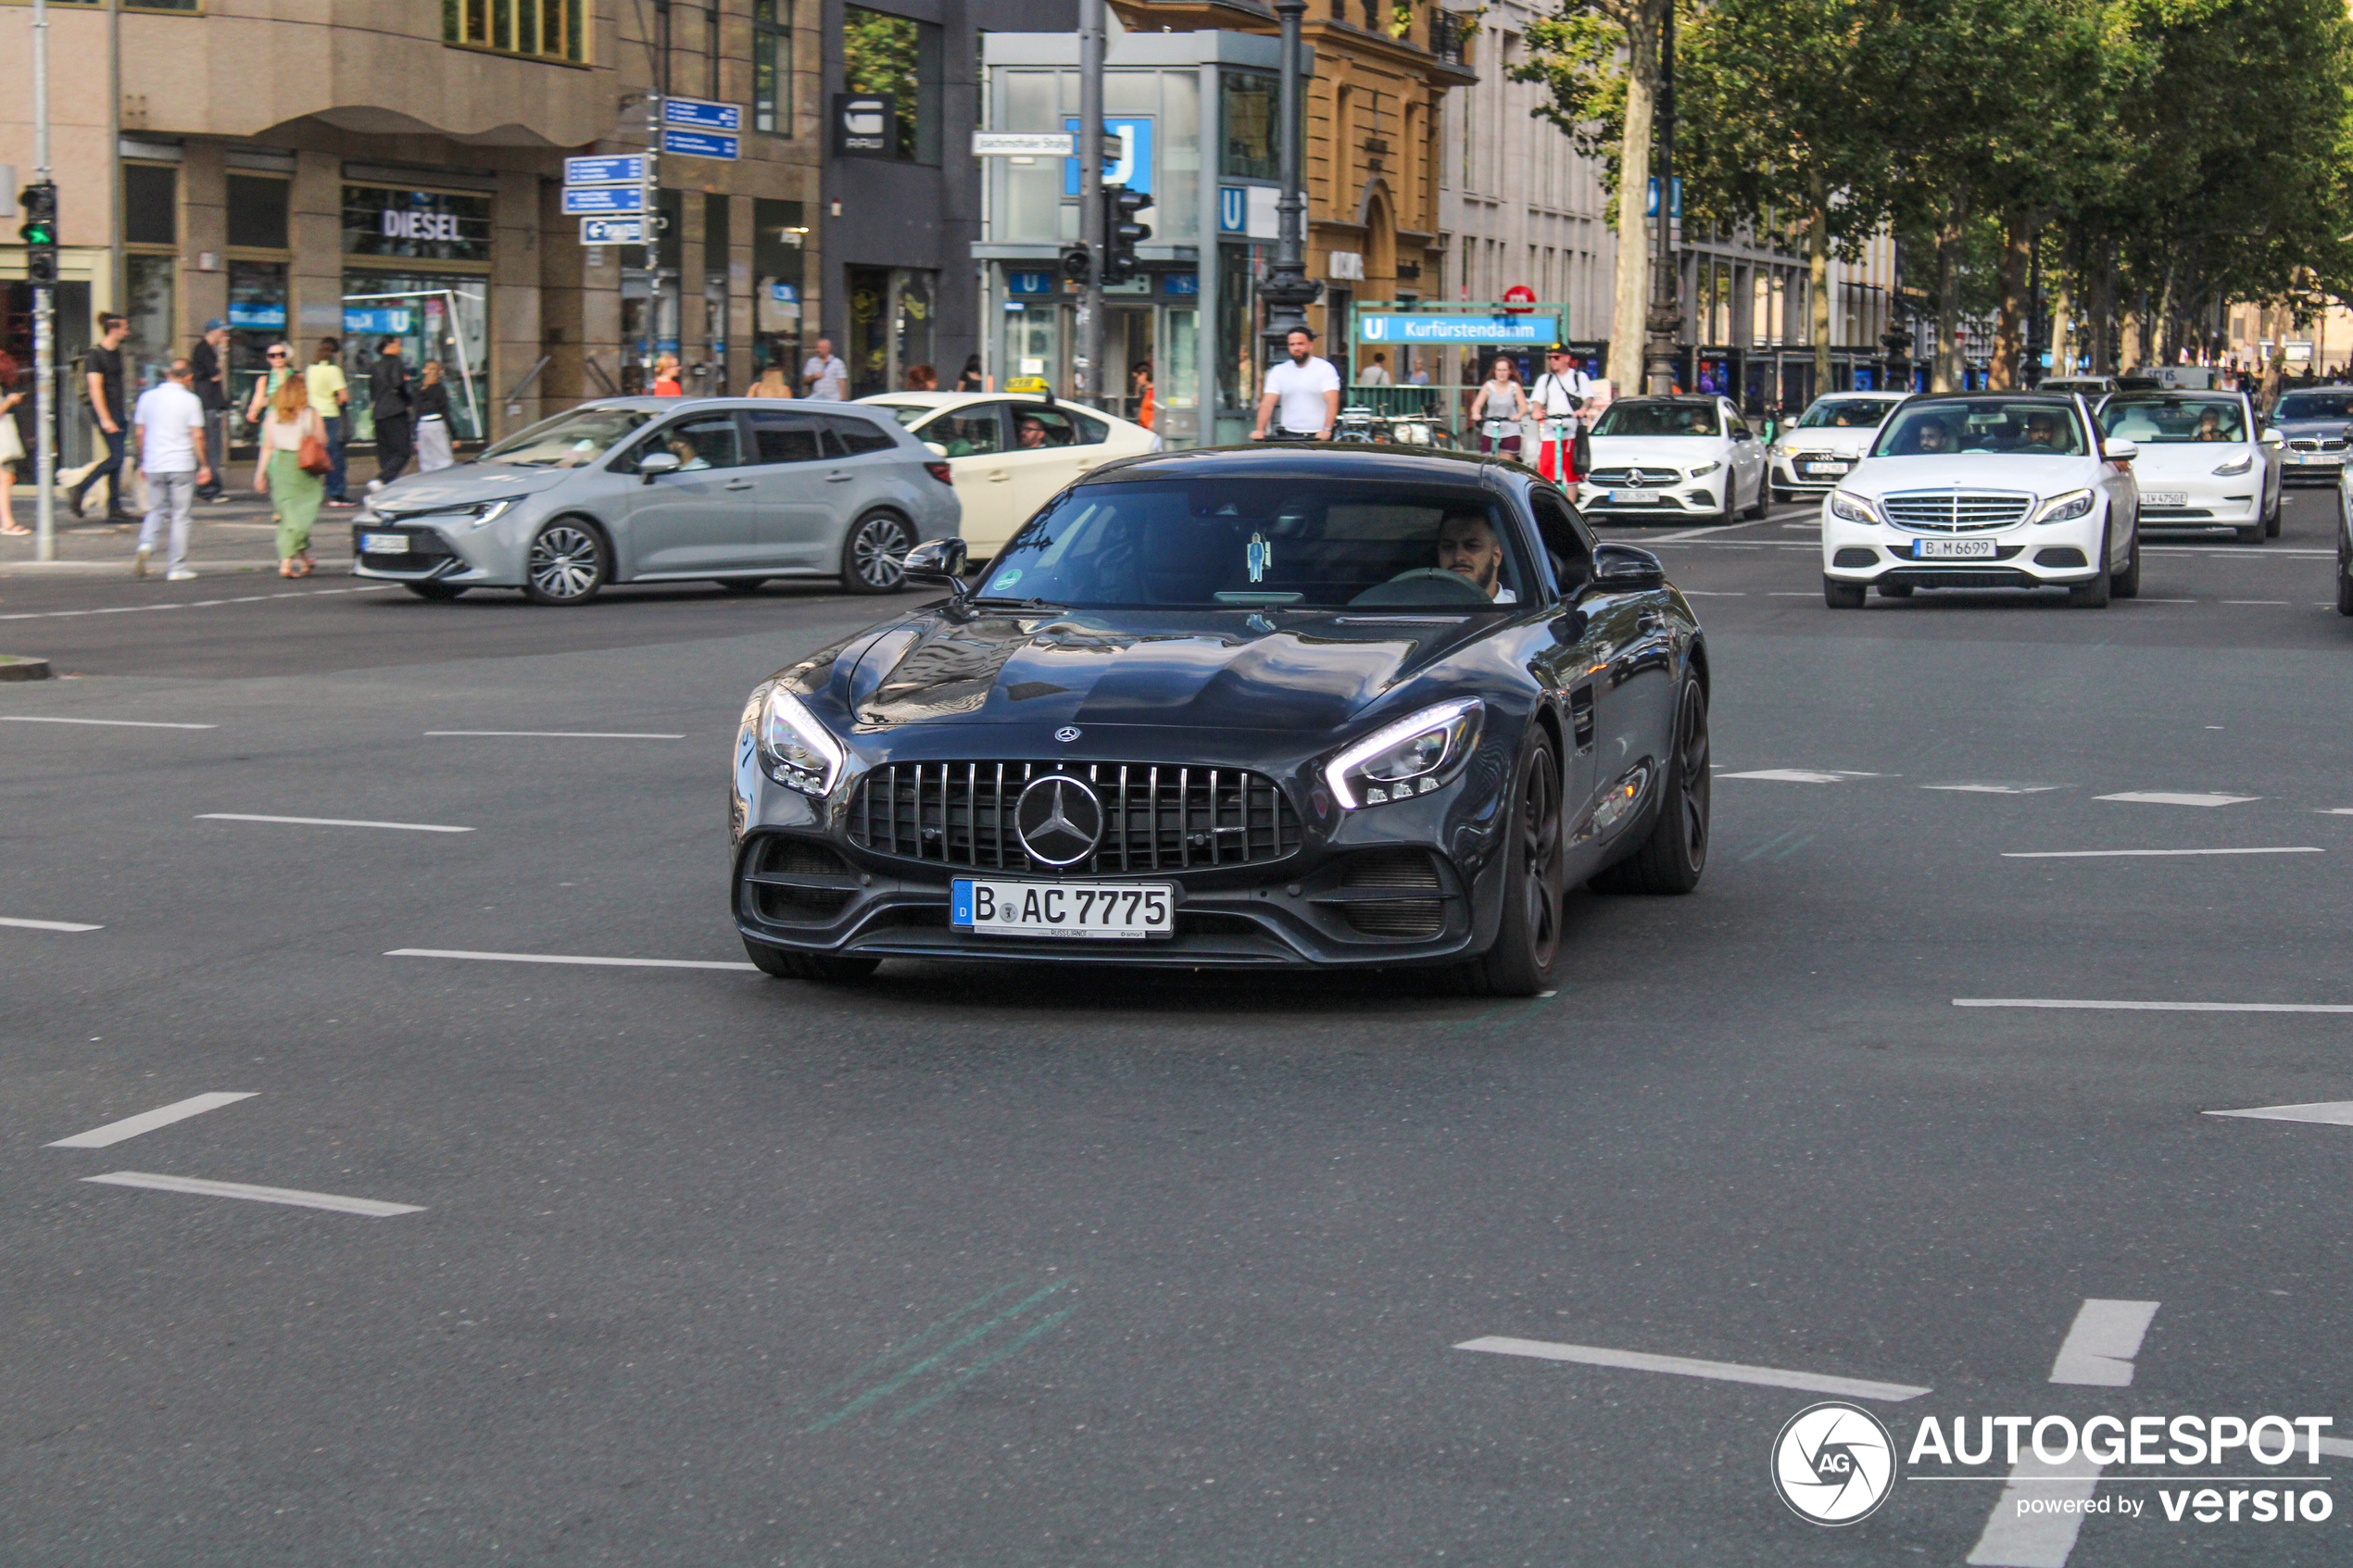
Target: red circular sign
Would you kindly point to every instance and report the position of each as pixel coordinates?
(1518, 294)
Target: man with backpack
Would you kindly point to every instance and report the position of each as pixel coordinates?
(1556, 398)
(102, 389)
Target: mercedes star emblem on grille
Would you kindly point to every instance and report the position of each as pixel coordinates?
(1067, 733)
(1060, 819)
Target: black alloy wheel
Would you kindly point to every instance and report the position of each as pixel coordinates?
(780, 963)
(1673, 855)
(2344, 586)
(873, 555)
(439, 593)
(568, 563)
(1528, 939)
(2095, 594)
(1842, 596)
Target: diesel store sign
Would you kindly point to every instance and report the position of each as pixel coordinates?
(378, 221)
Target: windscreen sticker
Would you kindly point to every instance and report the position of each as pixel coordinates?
(1004, 581)
(1261, 556)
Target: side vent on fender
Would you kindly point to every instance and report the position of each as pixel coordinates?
(1581, 714)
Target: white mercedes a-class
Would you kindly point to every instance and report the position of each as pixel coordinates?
(1986, 490)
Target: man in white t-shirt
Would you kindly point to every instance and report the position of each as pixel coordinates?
(1555, 400)
(169, 420)
(823, 375)
(1306, 388)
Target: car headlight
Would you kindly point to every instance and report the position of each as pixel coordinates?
(472, 516)
(2061, 508)
(1704, 469)
(1408, 757)
(2241, 466)
(1853, 508)
(795, 749)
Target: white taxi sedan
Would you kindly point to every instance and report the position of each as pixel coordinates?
(1674, 459)
(1826, 441)
(2202, 462)
(1009, 454)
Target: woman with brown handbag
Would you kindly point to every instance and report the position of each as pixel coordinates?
(294, 462)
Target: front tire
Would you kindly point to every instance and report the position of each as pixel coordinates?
(1755, 512)
(1527, 940)
(2126, 584)
(2271, 519)
(779, 963)
(1674, 855)
(1843, 596)
(874, 554)
(2093, 595)
(568, 563)
(2344, 587)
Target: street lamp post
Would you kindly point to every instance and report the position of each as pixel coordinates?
(1088, 383)
(1288, 291)
(1665, 320)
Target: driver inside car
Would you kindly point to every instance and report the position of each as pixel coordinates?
(1467, 547)
(1931, 439)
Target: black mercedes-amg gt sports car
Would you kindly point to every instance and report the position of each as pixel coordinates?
(1237, 708)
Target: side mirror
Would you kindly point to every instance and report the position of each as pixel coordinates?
(1622, 569)
(653, 464)
(2271, 438)
(937, 561)
(2121, 451)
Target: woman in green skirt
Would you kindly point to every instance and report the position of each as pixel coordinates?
(293, 495)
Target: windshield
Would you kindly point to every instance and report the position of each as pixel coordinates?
(2147, 420)
(2018, 427)
(906, 413)
(1264, 543)
(1851, 413)
(2333, 404)
(568, 441)
(1644, 417)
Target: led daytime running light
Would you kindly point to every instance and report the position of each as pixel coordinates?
(1468, 712)
(795, 749)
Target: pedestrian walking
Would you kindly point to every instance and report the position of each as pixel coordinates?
(279, 358)
(102, 388)
(296, 491)
(1500, 407)
(771, 383)
(433, 420)
(208, 379)
(170, 421)
(666, 376)
(1299, 399)
(12, 448)
(1376, 373)
(1139, 387)
(972, 380)
(823, 375)
(330, 395)
(388, 402)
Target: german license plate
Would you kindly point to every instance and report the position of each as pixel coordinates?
(1953, 549)
(1116, 910)
(383, 544)
(1826, 468)
(2166, 497)
(1624, 498)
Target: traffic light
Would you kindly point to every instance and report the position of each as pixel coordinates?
(39, 232)
(1075, 262)
(1121, 233)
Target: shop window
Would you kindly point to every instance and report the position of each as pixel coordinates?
(1249, 113)
(772, 67)
(553, 30)
(779, 233)
(187, 8)
(256, 320)
(257, 212)
(898, 58)
(148, 350)
(150, 203)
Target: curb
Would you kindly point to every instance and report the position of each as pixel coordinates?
(14, 667)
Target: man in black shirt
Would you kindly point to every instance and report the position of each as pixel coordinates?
(102, 368)
(208, 379)
(388, 400)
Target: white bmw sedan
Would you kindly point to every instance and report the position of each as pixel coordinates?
(1674, 459)
(1986, 490)
(2202, 462)
(1826, 441)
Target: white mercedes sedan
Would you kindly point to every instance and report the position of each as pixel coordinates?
(2203, 463)
(1674, 459)
(1986, 490)
(1826, 441)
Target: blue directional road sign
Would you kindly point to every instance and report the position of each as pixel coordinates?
(698, 114)
(628, 169)
(612, 231)
(702, 143)
(1384, 327)
(586, 200)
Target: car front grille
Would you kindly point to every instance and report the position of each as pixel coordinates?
(1156, 817)
(1950, 511)
(2317, 444)
(1636, 478)
(1401, 871)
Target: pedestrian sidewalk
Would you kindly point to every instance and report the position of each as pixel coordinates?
(234, 534)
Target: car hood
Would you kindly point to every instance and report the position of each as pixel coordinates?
(1677, 452)
(466, 484)
(2331, 426)
(1206, 669)
(1994, 471)
(1848, 442)
(2190, 460)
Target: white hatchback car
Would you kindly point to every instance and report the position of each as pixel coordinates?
(1986, 490)
(1828, 440)
(1009, 454)
(2203, 463)
(1672, 459)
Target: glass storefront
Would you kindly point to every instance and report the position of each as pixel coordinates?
(435, 313)
(256, 320)
(890, 328)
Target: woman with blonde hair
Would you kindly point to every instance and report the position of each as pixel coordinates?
(433, 420)
(666, 376)
(295, 492)
(771, 383)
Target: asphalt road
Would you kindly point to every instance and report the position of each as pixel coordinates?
(691, 1266)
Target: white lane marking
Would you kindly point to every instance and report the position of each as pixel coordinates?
(1785, 594)
(2169, 601)
(294, 1196)
(1803, 775)
(2114, 854)
(2170, 798)
(48, 924)
(1699, 533)
(1684, 1366)
(326, 822)
(2281, 603)
(148, 1121)
(2066, 1004)
(195, 604)
(2334, 811)
(564, 734)
(2251, 553)
(560, 957)
(1996, 788)
(2013, 1538)
(2327, 1113)
(2100, 1345)
(123, 724)
(2340, 1446)
(1707, 594)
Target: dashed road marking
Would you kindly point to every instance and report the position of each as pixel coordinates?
(2171, 797)
(1996, 788)
(2097, 1352)
(1804, 775)
(2071, 1005)
(562, 958)
(148, 1121)
(2327, 1113)
(2280, 603)
(122, 723)
(326, 821)
(195, 604)
(563, 734)
(47, 924)
(369, 1207)
(2126, 854)
(2101, 1343)
(1684, 1366)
